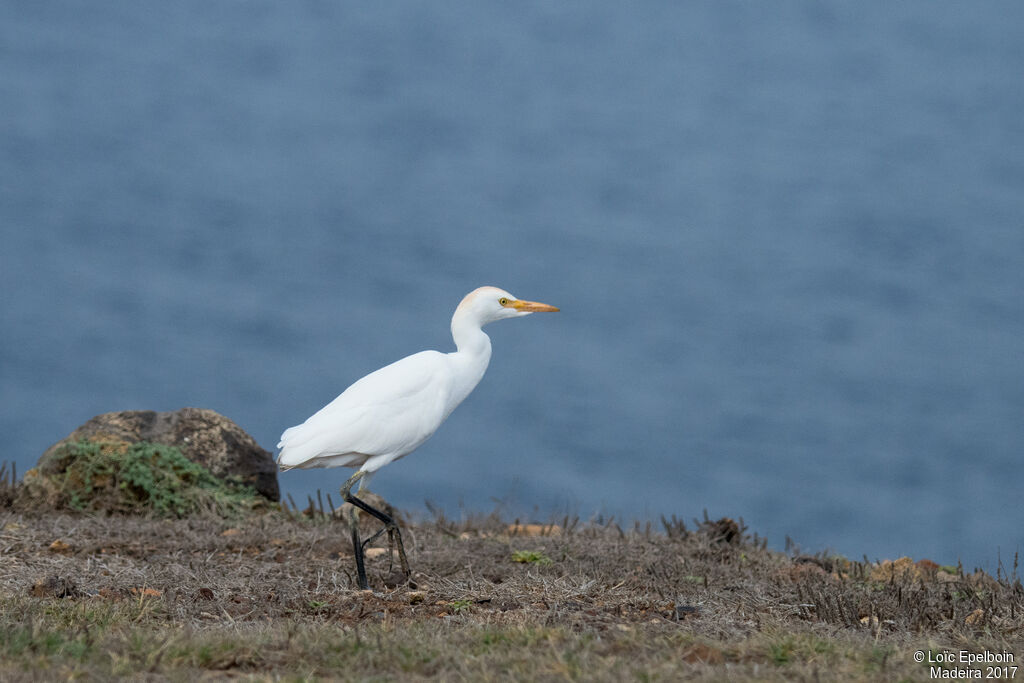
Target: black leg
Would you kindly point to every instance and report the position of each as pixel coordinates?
(394, 534)
(357, 547)
(353, 520)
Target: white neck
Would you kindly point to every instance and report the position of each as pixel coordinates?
(471, 358)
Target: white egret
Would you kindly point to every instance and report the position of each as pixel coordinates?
(392, 411)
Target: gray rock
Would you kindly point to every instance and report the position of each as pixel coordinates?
(203, 436)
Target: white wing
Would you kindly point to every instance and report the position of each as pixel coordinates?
(388, 413)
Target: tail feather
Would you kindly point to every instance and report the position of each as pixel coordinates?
(305, 449)
(288, 435)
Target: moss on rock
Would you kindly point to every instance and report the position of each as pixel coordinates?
(131, 478)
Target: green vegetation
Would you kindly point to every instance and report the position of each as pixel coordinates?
(133, 478)
(531, 557)
(457, 606)
(96, 640)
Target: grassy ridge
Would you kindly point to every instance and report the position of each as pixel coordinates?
(130, 640)
(270, 597)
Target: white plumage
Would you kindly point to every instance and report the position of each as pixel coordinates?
(392, 411)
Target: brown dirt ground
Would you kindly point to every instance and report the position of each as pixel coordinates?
(708, 601)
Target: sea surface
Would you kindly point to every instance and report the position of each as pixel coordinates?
(787, 240)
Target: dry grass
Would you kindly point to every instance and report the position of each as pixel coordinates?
(272, 597)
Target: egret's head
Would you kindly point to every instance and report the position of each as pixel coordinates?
(487, 304)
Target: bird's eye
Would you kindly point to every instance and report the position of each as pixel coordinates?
(503, 301)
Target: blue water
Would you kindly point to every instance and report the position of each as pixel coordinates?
(787, 240)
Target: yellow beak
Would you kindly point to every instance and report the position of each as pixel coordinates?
(533, 306)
